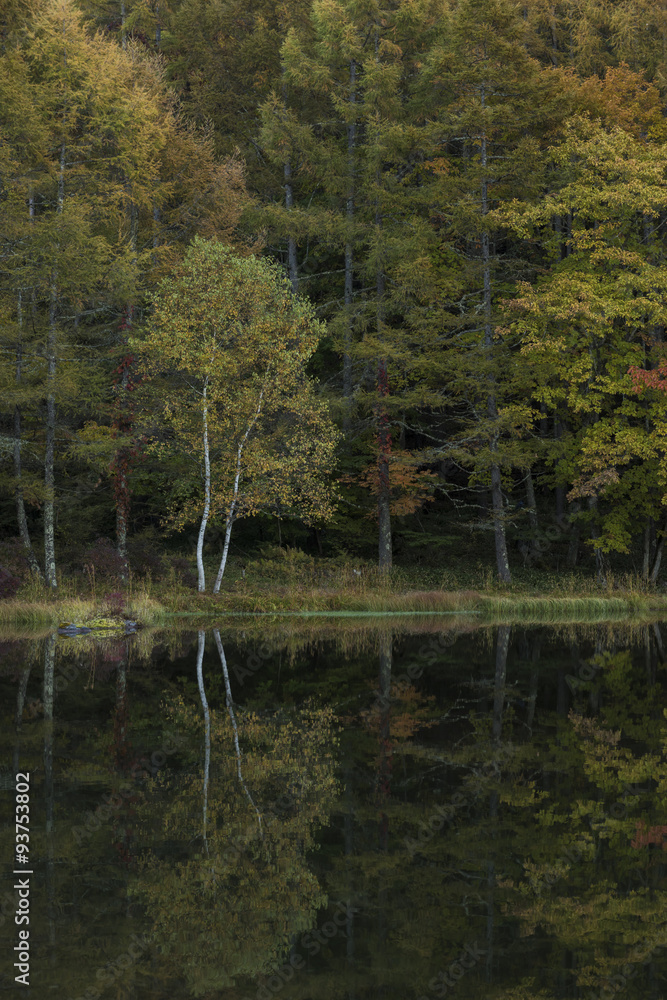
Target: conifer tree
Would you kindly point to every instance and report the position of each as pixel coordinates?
(594, 315)
(367, 214)
(106, 147)
(499, 108)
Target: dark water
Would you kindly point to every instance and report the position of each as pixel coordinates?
(336, 812)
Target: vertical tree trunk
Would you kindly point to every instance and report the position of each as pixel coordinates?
(49, 451)
(121, 528)
(349, 262)
(530, 500)
(124, 420)
(655, 569)
(502, 559)
(384, 453)
(231, 515)
(201, 582)
(123, 36)
(120, 461)
(599, 557)
(382, 419)
(646, 562)
(18, 495)
(18, 488)
(291, 242)
(229, 524)
(49, 454)
(573, 547)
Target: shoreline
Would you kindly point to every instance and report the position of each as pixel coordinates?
(167, 609)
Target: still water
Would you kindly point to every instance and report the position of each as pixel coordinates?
(403, 810)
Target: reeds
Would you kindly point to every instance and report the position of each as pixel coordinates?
(304, 586)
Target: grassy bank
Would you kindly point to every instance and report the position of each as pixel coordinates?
(171, 602)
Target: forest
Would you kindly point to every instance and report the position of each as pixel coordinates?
(347, 286)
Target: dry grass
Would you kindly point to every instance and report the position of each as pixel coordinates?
(52, 610)
(297, 585)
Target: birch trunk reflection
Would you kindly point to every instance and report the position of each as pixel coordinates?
(230, 709)
(207, 730)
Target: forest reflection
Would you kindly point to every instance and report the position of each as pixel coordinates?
(388, 812)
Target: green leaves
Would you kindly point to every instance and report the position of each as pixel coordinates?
(233, 325)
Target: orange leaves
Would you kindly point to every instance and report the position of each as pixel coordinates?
(624, 99)
(409, 486)
(655, 379)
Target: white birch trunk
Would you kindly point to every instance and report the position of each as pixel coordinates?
(235, 496)
(207, 497)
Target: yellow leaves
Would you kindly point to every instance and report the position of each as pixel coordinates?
(233, 323)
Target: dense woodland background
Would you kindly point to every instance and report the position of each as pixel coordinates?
(471, 195)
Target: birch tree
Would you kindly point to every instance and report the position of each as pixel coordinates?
(225, 352)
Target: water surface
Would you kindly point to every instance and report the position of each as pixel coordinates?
(393, 810)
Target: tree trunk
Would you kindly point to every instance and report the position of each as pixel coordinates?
(383, 429)
(502, 559)
(231, 516)
(646, 562)
(201, 584)
(121, 486)
(229, 523)
(655, 569)
(124, 418)
(530, 500)
(599, 557)
(349, 264)
(384, 452)
(49, 451)
(18, 489)
(291, 242)
(49, 454)
(573, 547)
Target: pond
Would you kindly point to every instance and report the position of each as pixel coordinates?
(395, 808)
